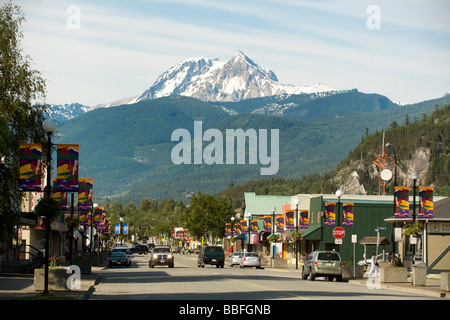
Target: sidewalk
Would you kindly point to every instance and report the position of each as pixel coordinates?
(16, 286)
(432, 287)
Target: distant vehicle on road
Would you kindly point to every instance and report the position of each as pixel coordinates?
(379, 258)
(213, 255)
(161, 255)
(323, 264)
(121, 248)
(119, 259)
(250, 259)
(236, 258)
(139, 248)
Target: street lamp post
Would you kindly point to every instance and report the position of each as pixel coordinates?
(395, 184)
(273, 231)
(414, 175)
(248, 217)
(339, 194)
(296, 232)
(91, 240)
(121, 229)
(49, 126)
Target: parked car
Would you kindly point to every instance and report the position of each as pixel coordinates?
(369, 259)
(139, 248)
(213, 255)
(323, 264)
(236, 258)
(161, 255)
(250, 259)
(119, 258)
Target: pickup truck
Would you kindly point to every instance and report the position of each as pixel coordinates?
(213, 255)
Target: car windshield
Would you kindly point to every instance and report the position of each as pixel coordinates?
(118, 254)
(161, 250)
(330, 256)
(213, 249)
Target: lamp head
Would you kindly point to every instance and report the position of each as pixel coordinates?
(414, 175)
(339, 193)
(49, 125)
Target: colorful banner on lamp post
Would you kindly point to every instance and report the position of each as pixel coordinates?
(85, 194)
(227, 229)
(60, 197)
(290, 219)
(117, 228)
(237, 229)
(280, 224)
(254, 224)
(30, 163)
(347, 213)
(244, 227)
(67, 167)
(84, 218)
(330, 215)
(426, 202)
(304, 221)
(401, 199)
(267, 223)
(98, 213)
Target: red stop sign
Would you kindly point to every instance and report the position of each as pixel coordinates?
(338, 232)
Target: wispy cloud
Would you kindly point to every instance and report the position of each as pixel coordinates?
(121, 47)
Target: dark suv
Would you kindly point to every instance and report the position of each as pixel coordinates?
(211, 255)
(139, 248)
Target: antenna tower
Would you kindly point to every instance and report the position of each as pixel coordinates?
(382, 162)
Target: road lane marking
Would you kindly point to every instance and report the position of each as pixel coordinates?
(261, 287)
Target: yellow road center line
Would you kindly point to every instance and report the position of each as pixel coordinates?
(262, 287)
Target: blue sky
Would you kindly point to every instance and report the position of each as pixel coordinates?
(93, 52)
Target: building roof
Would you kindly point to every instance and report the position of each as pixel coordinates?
(382, 241)
(264, 204)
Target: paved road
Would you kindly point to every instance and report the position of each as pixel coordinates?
(188, 282)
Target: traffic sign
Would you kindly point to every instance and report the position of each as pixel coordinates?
(338, 232)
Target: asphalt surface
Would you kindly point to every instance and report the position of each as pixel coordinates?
(21, 286)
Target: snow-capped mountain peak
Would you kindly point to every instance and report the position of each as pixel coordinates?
(212, 80)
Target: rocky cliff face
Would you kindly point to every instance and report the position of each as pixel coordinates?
(350, 181)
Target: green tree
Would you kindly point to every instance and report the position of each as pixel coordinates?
(20, 118)
(207, 215)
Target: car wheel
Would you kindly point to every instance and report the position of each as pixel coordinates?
(312, 277)
(304, 276)
(339, 278)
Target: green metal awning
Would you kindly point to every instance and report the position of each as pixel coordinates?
(312, 233)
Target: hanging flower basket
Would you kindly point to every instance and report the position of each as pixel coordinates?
(47, 207)
(72, 222)
(273, 238)
(296, 236)
(415, 230)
